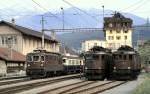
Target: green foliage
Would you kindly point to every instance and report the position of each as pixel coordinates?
(144, 87)
(144, 51)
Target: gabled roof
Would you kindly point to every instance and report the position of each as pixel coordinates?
(8, 55)
(27, 31)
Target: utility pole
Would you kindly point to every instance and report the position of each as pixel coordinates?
(103, 13)
(63, 26)
(42, 22)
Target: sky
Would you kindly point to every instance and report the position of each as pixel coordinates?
(17, 8)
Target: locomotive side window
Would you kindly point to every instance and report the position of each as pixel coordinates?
(88, 56)
(103, 57)
(115, 57)
(120, 56)
(36, 58)
(130, 57)
(95, 57)
(124, 57)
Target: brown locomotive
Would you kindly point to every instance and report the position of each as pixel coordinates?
(96, 63)
(123, 64)
(41, 63)
(127, 63)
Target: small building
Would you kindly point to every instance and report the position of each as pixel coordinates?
(24, 40)
(70, 57)
(118, 31)
(88, 44)
(11, 61)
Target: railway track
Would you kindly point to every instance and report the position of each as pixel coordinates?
(22, 86)
(13, 77)
(11, 81)
(86, 87)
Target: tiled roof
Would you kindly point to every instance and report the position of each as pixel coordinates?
(8, 55)
(27, 31)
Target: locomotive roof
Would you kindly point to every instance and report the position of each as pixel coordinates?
(96, 52)
(125, 52)
(43, 52)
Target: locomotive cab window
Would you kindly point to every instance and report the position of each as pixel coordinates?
(95, 57)
(130, 57)
(64, 60)
(103, 57)
(29, 58)
(42, 58)
(88, 56)
(124, 57)
(36, 58)
(120, 56)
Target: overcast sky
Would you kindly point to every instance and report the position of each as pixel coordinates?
(21, 7)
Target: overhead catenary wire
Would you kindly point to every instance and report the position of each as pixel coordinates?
(139, 6)
(130, 6)
(81, 10)
(51, 13)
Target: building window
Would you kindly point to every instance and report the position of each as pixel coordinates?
(95, 44)
(125, 37)
(118, 31)
(110, 37)
(126, 31)
(8, 39)
(110, 25)
(110, 31)
(3, 40)
(118, 37)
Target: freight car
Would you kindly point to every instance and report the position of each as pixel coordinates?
(97, 63)
(41, 63)
(126, 63)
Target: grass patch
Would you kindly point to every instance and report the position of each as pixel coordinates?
(143, 88)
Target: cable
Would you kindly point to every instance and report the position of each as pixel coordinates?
(81, 10)
(51, 13)
(138, 6)
(131, 5)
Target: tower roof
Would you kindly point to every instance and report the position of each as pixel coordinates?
(117, 17)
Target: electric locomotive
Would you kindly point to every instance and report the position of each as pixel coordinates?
(126, 63)
(97, 65)
(41, 63)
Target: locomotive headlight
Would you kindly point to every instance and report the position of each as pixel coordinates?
(42, 65)
(28, 65)
(85, 67)
(129, 67)
(114, 67)
(99, 68)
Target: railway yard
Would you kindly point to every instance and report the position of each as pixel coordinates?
(69, 84)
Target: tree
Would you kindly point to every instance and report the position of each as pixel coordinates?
(144, 51)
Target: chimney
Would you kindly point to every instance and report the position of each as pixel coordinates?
(13, 21)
